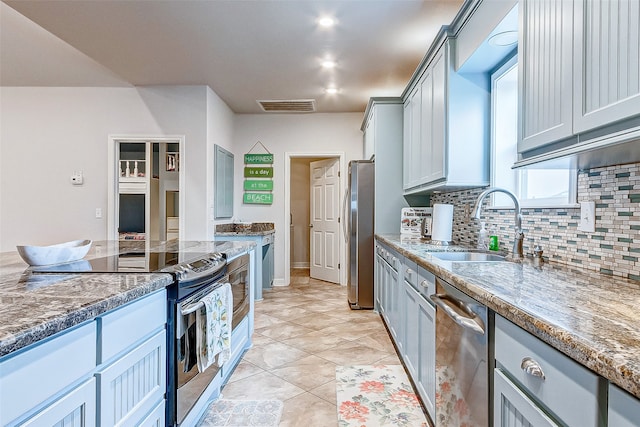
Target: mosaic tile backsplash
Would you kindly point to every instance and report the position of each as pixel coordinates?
(614, 247)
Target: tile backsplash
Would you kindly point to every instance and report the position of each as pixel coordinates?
(614, 247)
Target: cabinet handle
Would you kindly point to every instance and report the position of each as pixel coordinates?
(533, 368)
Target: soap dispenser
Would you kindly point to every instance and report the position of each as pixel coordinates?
(483, 238)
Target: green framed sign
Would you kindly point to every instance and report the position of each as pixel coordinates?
(258, 198)
(260, 172)
(258, 185)
(257, 159)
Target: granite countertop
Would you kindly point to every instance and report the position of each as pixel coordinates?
(34, 307)
(590, 317)
(257, 229)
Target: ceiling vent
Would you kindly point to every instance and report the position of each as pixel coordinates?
(288, 106)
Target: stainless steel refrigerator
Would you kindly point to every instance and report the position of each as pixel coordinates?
(358, 230)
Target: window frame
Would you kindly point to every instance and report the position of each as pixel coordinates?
(549, 202)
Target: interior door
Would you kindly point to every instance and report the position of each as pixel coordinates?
(324, 225)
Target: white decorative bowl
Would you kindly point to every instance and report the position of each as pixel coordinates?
(54, 254)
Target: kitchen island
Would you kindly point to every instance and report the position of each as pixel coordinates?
(590, 317)
(262, 233)
(79, 332)
(32, 309)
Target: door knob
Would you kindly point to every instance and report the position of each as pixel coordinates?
(310, 225)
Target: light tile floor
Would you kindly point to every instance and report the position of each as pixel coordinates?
(302, 332)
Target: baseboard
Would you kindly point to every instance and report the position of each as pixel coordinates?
(300, 265)
(279, 282)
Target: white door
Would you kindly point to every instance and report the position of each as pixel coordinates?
(325, 228)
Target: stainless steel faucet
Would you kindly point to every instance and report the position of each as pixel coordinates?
(519, 235)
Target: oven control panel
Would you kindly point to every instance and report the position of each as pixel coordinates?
(202, 268)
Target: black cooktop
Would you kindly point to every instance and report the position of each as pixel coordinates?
(140, 262)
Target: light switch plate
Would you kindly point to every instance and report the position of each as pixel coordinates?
(587, 217)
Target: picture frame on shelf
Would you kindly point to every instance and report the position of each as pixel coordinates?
(173, 162)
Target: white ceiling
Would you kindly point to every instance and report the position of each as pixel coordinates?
(245, 50)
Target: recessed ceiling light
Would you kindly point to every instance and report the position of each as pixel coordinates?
(331, 90)
(327, 63)
(506, 38)
(326, 21)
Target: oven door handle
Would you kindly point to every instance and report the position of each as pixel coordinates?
(459, 312)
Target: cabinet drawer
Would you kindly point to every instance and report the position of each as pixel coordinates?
(426, 283)
(133, 385)
(129, 324)
(37, 374)
(571, 391)
(410, 271)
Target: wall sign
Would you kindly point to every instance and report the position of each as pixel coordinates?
(258, 198)
(258, 185)
(261, 159)
(258, 173)
(261, 172)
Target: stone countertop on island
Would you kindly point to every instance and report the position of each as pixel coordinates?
(34, 307)
(590, 317)
(256, 229)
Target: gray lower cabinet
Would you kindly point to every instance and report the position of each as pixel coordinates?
(512, 408)
(410, 318)
(108, 371)
(379, 281)
(566, 391)
(389, 285)
(624, 409)
(420, 341)
(76, 409)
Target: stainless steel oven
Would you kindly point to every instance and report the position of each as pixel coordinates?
(238, 277)
(186, 383)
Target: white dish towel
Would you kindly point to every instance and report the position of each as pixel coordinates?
(213, 327)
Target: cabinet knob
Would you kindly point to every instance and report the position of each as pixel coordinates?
(424, 284)
(409, 271)
(531, 367)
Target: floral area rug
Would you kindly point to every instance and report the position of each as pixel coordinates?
(376, 395)
(242, 413)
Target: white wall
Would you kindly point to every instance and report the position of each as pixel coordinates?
(47, 133)
(219, 132)
(289, 133)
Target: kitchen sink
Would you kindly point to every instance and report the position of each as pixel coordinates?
(468, 256)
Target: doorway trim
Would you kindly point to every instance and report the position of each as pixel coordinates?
(112, 177)
(288, 156)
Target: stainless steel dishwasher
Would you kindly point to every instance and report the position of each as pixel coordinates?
(462, 354)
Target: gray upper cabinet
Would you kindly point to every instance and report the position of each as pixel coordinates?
(579, 74)
(607, 66)
(545, 72)
(223, 207)
(445, 126)
(382, 129)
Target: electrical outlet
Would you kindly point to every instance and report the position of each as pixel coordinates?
(587, 217)
(98, 213)
(77, 178)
